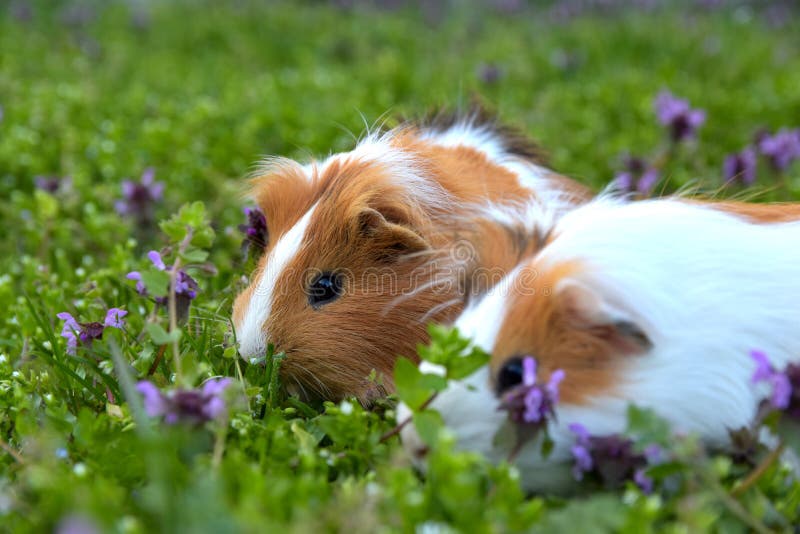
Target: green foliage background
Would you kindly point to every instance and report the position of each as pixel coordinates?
(99, 91)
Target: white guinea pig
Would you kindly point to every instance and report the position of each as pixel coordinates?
(657, 303)
(344, 285)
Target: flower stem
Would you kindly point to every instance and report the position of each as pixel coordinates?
(759, 471)
(13, 453)
(172, 307)
(219, 444)
(157, 360)
(173, 319)
(396, 430)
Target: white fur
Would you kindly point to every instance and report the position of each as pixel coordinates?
(706, 287)
(250, 333)
(401, 166)
(484, 139)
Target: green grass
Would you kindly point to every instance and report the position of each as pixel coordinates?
(200, 93)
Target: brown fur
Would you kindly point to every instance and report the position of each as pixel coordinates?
(516, 141)
(384, 237)
(760, 213)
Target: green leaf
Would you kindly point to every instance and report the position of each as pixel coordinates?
(428, 423)
(156, 282)
(789, 431)
(161, 336)
(646, 427)
(598, 514)
(194, 256)
(46, 204)
(463, 366)
(414, 387)
(306, 441)
(191, 217)
(203, 237)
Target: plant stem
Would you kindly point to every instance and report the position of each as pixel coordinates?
(173, 319)
(397, 429)
(219, 444)
(172, 307)
(759, 471)
(13, 453)
(157, 360)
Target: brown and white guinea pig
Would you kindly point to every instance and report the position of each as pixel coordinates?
(657, 303)
(346, 282)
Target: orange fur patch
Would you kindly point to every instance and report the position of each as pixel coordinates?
(758, 213)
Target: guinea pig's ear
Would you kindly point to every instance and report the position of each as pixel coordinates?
(390, 232)
(586, 309)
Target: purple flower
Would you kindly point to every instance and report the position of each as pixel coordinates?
(51, 184)
(489, 73)
(255, 232)
(22, 11)
(763, 366)
(654, 454)
(155, 257)
(615, 459)
(114, 318)
(528, 372)
(194, 406)
(583, 461)
(581, 433)
(740, 167)
(75, 524)
(529, 402)
(780, 383)
(85, 333)
(781, 391)
(612, 458)
(676, 114)
(508, 6)
(136, 275)
(637, 176)
(155, 404)
(556, 377)
(78, 15)
(533, 400)
(70, 331)
(792, 373)
(782, 148)
(185, 286)
(644, 482)
(580, 451)
(138, 198)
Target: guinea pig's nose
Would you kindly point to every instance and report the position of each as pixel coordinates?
(510, 375)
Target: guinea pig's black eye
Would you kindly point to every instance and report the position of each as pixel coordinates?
(325, 288)
(510, 375)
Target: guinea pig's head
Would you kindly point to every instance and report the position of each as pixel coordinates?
(346, 282)
(563, 320)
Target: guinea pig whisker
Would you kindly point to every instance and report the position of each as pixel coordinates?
(303, 392)
(410, 295)
(322, 390)
(440, 307)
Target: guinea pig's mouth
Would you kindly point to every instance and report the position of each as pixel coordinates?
(308, 387)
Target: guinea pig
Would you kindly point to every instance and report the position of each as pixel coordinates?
(656, 303)
(346, 283)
